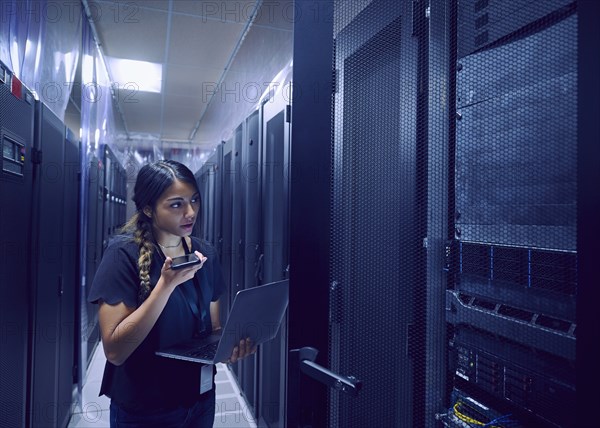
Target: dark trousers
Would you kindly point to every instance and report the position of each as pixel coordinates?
(200, 415)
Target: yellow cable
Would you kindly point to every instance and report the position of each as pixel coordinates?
(466, 418)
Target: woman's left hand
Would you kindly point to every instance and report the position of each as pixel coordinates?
(244, 349)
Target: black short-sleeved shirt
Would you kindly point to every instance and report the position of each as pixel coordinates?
(144, 380)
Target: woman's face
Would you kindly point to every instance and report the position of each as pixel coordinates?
(175, 212)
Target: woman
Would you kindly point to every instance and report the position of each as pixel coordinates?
(145, 305)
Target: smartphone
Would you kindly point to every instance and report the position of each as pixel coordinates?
(185, 261)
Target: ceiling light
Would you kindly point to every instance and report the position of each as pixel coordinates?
(142, 75)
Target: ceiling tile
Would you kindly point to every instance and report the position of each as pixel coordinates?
(191, 81)
(238, 11)
(202, 43)
(142, 112)
(192, 107)
(180, 115)
(152, 4)
(279, 15)
(136, 33)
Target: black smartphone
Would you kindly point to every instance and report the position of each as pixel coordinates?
(185, 261)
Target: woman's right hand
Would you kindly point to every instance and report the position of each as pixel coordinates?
(174, 277)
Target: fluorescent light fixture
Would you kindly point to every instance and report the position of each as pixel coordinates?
(15, 58)
(144, 76)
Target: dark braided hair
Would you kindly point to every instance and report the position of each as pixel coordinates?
(152, 181)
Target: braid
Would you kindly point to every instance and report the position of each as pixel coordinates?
(143, 237)
(152, 181)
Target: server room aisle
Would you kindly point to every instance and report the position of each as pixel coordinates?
(231, 411)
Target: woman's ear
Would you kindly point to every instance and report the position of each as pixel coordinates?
(148, 211)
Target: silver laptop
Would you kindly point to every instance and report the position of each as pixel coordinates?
(256, 313)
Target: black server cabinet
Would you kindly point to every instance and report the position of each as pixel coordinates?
(209, 182)
(210, 179)
(203, 228)
(237, 215)
(217, 201)
(236, 220)
(274, 263)
(95, 202)
(226, 225)
(69, 337)
(52, 281)
(46, 265)
(251, 175)
(378, 217)
(114, 188)
(16, 134)
(108, 188)
(252, 232)
(512, 304)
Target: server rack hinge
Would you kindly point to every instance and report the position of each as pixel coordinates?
(36, 156)
(288, 113)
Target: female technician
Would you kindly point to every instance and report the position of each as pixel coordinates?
(145, 305)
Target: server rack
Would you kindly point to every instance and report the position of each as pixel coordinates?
(245, 190)
(69, 335)
(16, 134)
(485, 203)
(378, 224)
(274, 259)
(226, 246)
(237, 215)
(52, 281)
(210, 182)
(94, 231)
(206, 178)
(512, 299)
(251, 171)
(114, 188)
(252, 231)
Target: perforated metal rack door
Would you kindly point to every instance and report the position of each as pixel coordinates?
(377, 260)
(454, 151)
(512, 304)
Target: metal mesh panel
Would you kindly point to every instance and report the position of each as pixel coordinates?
(453, 240)
(375, 256)
(512, 301)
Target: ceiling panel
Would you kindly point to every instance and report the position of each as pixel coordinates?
(142, 113)
(181, 113)
(201, 43)
(191, 81)
(139, 34)
(238, 11)
(150, 4)
(279, 14)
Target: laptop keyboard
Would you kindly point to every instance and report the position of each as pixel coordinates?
(206, 352)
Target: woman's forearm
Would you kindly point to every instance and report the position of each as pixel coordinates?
(120, 341)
